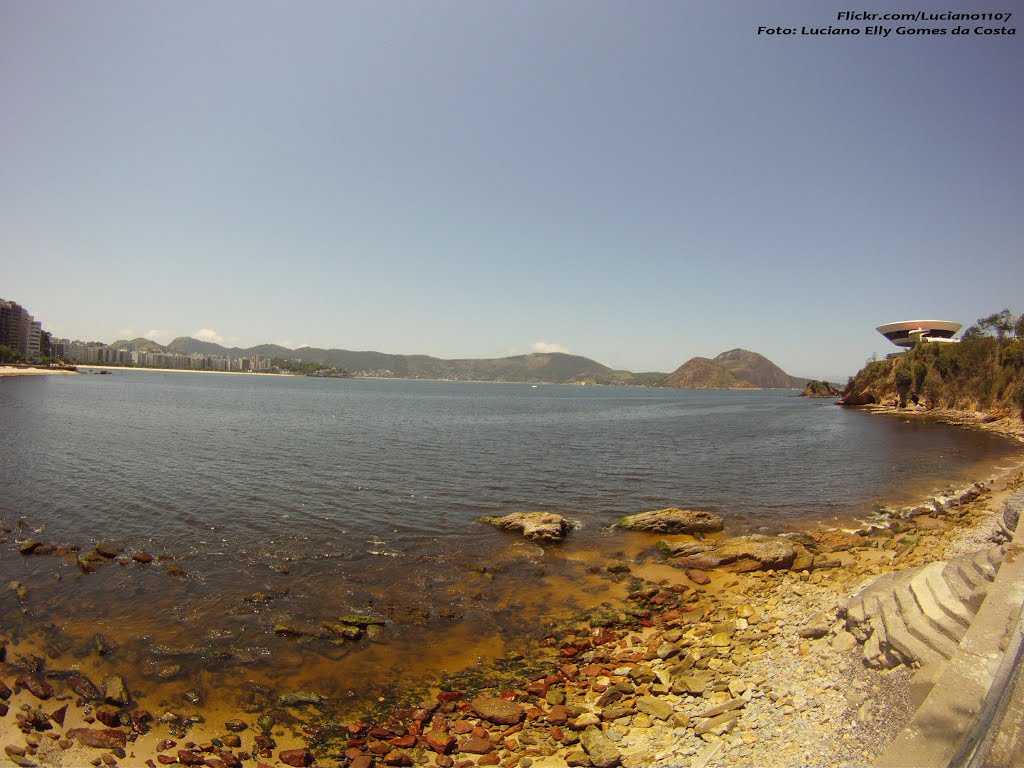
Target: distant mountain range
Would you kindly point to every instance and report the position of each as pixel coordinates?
(736, 369)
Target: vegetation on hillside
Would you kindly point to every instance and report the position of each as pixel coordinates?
(816, 388)
(984, 372)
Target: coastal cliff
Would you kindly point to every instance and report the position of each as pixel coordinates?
(979, 375)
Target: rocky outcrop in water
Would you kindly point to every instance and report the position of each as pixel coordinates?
(538, 526)
(674, 520)
(738, 555)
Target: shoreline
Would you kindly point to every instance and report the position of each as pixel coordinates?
(761, 693)
(763, 687)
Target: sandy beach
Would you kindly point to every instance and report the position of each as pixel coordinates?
(11, 370)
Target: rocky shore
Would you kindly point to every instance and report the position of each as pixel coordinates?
(738, 656)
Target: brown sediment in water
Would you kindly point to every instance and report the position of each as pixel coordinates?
(571, 607)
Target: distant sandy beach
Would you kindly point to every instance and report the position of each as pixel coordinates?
(10, 370)
(119, 368)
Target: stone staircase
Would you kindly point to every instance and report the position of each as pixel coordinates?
(921, 614)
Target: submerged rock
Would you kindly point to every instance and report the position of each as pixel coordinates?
(84, 688)
(673, 520)
(538, 526)
(299, 699)
(99, 739)
(114, 690)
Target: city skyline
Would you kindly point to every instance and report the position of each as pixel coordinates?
(635, 184)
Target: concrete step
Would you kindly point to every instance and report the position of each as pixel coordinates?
(982, 565)
(966, 583)
(919, 624)
(940, 620)
(950, 604)
(901, 639)
(995, 555)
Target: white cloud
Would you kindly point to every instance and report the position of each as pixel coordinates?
(125, 333)
(547, 346)
(205, 334)
(160, 337)
(288, 343)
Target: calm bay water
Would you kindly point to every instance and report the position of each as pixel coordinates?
(331, 495)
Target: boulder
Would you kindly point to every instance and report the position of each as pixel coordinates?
(538, 526)
(740, 554)
(673, 520)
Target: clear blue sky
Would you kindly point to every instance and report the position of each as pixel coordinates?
(636, 182)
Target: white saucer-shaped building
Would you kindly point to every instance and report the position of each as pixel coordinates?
(908, 332)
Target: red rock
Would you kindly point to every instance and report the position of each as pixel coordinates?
(84, 687)
(379, 748)
(5, 692)
(450, 695)
(399, 758)
(91, 737)
(556, 733)
(297, 758)
(558, 715)
(166, 760)
(403, 742)
(537, 687)
(462, 726)
(697, 576)
(213, 762)
(58, 715)
(188, 757)
(356, 729)
(477, 746)
(35, 685)
(229, 759)
(109, 716)
(442, 743)
(489, 759)
(362, 761)
(498, 711)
